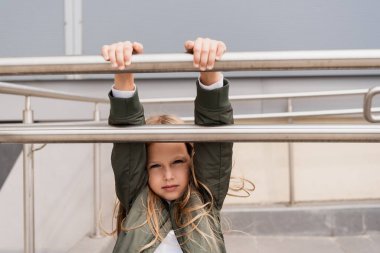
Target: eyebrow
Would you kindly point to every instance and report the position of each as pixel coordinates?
(175, 158)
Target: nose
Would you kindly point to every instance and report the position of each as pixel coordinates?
(168, 174)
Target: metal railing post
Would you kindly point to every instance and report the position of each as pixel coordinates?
(290, 159)
(97, 193)
(367, 104)
(28, 178)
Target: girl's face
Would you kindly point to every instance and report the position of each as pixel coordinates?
(168, 167)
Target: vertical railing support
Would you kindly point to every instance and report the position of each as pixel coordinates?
(28, 164)
(290, 159)
(97, 192)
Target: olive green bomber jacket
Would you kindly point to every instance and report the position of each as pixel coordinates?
(212, 164)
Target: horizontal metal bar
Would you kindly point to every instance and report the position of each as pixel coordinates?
(236, 117)
(278, 115)
(304, 114)
(23, 90)
(265, 96)
(237, 61)
(191, 133)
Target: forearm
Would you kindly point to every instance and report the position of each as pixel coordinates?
(208, 78)
(124, 82)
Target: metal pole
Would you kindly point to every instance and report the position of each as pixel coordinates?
(290, 159)
(28, 163)
(233, 61)
(23, 90)
(190, 133)
(97, 192)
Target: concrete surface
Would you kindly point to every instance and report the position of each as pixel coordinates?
(323, 219)
(303, 244)
(267, 244)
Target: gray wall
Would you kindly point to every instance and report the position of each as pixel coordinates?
(245, 25)
(31, 28)
(36, 28)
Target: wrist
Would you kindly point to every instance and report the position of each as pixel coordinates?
(124, 82)
(208, 78)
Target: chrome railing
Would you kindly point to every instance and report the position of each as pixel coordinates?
(14, 89)
(28, 154)
(265, 96)
(190, 133)
(241, 61)
(368, 105)
(96, 133)
(23, 90)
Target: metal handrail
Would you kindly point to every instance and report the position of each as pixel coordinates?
(191, 133)
(368, 104)
(301, 114)
(23, 90)
(265, 96)
(15, 89)
(298, 114)
(236, 61)
(28, 153)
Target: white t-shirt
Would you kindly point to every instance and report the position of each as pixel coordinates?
(169, 244)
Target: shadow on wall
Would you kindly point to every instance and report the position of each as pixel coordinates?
(8, 156)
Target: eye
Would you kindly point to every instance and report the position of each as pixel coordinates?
(152, 166)
(178, 161)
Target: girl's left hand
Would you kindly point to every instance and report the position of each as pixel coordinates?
(205, 52)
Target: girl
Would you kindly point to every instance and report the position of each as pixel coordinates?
(170, 193)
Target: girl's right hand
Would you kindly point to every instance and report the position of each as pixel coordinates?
(120, 56)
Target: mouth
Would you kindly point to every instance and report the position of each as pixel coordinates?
(170, 188)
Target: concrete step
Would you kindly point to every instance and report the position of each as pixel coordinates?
(369, 243)
(303, 244)
(321, 219)
(335, 228)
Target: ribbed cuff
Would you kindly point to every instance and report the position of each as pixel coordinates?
(124, 107)
(123, 93)
(213, 99)
(217, 85)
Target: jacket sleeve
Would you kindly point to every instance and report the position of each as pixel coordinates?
(128, 159)
(213, 160)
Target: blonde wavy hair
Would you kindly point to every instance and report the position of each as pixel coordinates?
(184, 214)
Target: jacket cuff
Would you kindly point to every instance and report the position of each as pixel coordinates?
(122, 108)
(213, 99)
